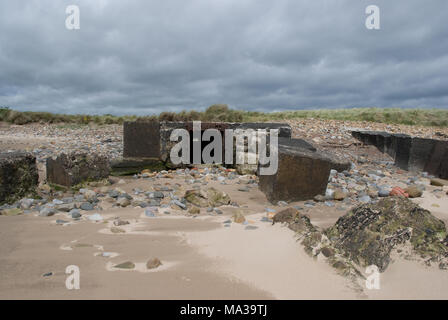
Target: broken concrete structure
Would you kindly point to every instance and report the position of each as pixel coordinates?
(302, 173)
(152, 139)
(74, 168)
(147, 145)
(410, 153)
(18, 176)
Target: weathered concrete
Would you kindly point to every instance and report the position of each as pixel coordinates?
(410, 153)
(141, 139)
(130, 166)
(18, 176)
(302, 172)
(152, 139)
(71, 169)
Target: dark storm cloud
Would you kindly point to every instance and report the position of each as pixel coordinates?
(145, 57)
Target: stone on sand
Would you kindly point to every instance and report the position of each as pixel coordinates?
(286, 215)
(123, 202)
(208, 198)
(11, 212)
(439, 182)
(339, 195)
(238, 217)
(398, 192)
(120, 222)
(414, 191)
(117, 230)
(125, 265)
(47, 212)
(153, 263)
(194, 210)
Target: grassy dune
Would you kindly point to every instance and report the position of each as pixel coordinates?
(420, 117)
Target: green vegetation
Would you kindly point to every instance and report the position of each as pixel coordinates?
(221, 112)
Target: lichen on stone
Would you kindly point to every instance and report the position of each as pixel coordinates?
(369, 233)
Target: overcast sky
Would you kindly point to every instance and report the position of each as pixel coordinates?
(148, 56)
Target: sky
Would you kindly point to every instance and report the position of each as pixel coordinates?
(146, 56)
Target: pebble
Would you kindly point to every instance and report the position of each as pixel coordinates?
(382, 192)
(125, 265)
(90, 195)
(86, 206)
(238, 217)
(329, 203)
(75, 213)
(123, 202)
(26, 203)
(251, 227)
(158, 195)
(179, 204)
(151, 211)
(365, 199)
(95, 217)
(414, 191)
(47, 212)
(438, 182)
(11, 212)
(117, 230)
(153, 263)
(120, 222)
(114, 194)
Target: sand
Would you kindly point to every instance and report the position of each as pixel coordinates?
(201, 258)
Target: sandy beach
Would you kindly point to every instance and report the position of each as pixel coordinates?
(202, 257)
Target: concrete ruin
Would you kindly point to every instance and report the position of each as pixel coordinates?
(18, 176)
(302, 173)
(147, 145)
(152, 139)
(71, 169)
(410, 153)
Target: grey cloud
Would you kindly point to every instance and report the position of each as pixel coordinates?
(145, 57)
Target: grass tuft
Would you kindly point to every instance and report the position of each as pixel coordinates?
(222, 113)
